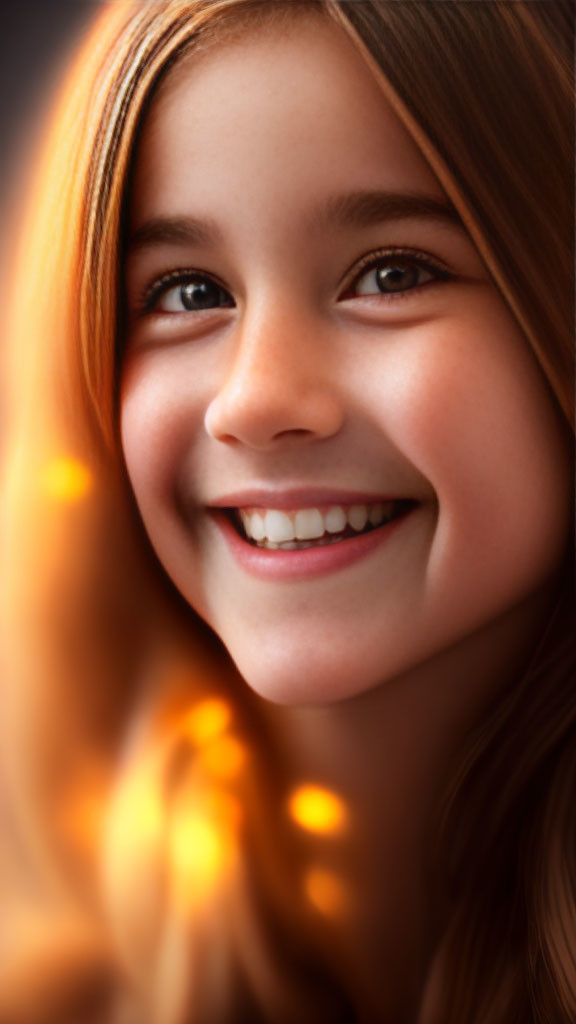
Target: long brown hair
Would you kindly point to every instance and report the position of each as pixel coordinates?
(105, 690)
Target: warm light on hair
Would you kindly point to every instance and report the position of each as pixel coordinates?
(139, 816)
(83, 808)
(87, 621)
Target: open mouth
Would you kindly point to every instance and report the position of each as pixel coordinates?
(297, 529)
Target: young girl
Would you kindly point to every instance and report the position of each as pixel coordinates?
(288, 705)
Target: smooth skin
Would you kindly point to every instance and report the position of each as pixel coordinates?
(302, 373)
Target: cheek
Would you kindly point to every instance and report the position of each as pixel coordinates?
(158, 417)
(480, 425)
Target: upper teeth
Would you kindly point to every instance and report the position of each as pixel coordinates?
(279, 526)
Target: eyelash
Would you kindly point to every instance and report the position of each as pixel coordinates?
(422, 261)
(411, 257)
(182, 275)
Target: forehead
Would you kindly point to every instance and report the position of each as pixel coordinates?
(295, 101)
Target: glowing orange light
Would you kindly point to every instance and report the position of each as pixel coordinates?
(66, 479)
(134, 833)
(224, 758)
(317, 810)
(325, 891)
(197, 849)
(146, 814)
(139, 815)
(224, 809)
(202, 846)
(207, 720)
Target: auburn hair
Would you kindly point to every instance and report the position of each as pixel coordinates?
(109, 693)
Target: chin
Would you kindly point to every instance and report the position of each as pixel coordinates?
(286, 691)
(301, 681)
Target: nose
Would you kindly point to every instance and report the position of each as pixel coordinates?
(279, 383)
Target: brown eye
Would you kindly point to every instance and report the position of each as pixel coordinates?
(183, 292)
(394, 275)
(191, 296)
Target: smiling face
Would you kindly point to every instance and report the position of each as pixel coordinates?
(316, 354)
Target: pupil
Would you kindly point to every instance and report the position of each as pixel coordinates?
(200, 295)
(396, 278)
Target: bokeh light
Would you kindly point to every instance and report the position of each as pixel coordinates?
(139, 812)
(66, 479)
(207, 720)
(224, 758)
(326, 891)
(202, 846)
(318, 810)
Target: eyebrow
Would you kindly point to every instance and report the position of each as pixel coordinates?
(363, 208)
(174, 231)
(352, 209)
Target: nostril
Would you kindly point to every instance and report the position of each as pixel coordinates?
(292, 432)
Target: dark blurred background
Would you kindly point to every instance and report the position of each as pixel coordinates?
(36, 36)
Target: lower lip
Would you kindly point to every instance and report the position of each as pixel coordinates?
(304, 563)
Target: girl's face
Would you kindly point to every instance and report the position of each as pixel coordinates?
(317, 355)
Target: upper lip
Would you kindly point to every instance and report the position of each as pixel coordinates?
(299, 497)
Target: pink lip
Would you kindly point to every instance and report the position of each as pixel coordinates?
(297, 497)
(278, 565)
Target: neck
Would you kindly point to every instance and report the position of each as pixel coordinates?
(390, 755)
